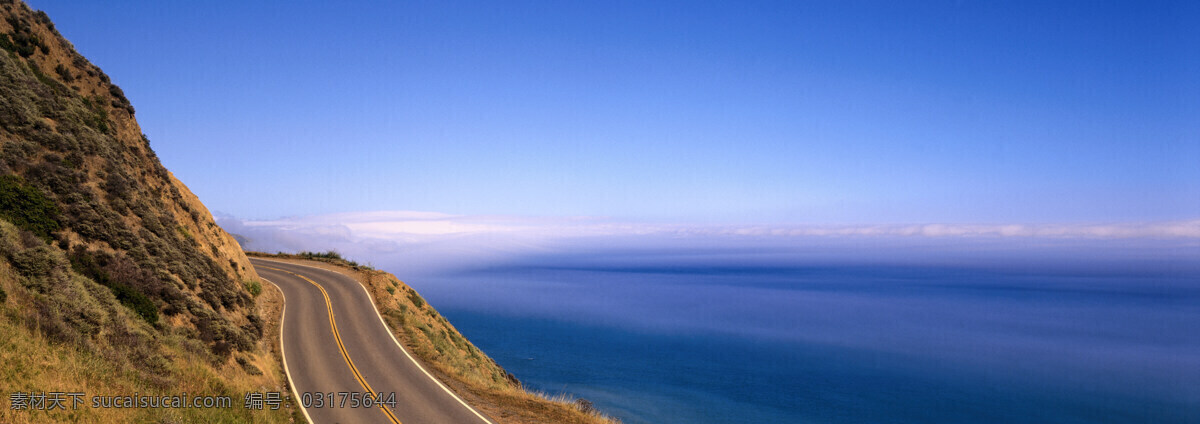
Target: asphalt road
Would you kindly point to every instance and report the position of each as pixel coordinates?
(353, 352)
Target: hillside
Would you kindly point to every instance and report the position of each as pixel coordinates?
(108, 263)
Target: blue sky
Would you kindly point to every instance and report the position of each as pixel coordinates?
(735, 112)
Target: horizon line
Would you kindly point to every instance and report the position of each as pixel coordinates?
(432, 224)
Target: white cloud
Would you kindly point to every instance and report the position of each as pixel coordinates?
(430, 240)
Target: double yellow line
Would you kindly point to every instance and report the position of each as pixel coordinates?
(342, 347)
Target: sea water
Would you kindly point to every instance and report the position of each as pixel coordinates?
(721, 341)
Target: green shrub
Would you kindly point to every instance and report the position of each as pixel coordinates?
(254, 287)
(416, 299)
(23, 41)
(45, 79)
(35, 262)
(116, 91)
(186, 234)
(98, 119)
(254, 325)
(248, 367)
(26, 207)
(136, 301)
(25, 44)
(391, 290)
(321, 255)
(88, 265)
(64, 73)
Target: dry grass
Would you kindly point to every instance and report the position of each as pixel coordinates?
(443, 351)
(121, 355)
(35, 364)
(32, 363)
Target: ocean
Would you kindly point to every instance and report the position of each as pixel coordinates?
(672, 339)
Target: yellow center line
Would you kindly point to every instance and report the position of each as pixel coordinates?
(342, 347)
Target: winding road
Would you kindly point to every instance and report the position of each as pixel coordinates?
(335, 342)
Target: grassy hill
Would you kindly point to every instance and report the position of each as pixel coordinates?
(114, 278)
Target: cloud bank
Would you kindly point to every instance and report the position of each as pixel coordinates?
(415, 225)
(432, 240)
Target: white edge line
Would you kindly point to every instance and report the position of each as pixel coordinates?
(390, 333)
(283, 351)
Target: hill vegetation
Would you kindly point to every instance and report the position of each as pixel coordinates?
(109, 264)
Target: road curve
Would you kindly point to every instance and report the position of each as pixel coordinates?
(351, 352)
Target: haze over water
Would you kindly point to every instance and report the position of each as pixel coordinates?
(824, 324)
(738, 335)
